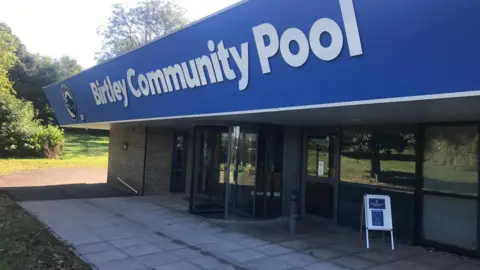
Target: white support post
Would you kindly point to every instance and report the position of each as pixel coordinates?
(391, 236)
(366, 235)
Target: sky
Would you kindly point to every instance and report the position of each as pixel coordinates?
(69, 27)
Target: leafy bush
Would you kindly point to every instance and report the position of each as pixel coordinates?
(460, 154)
(48, 142)
(21, 135)
(17, 127)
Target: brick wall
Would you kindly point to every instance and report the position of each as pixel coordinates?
(129, 164)
(158, 160)
(126, 164)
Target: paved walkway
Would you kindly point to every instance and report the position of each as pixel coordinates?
(127, 233)
(54, 184)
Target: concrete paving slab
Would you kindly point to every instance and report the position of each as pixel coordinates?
(78, 238)
(105, 256)
(353, 262)
(346, 247)
(138, 251)
(273, 249)
(243, 255)
(324, 253)
(194, 237)
(251, 242)
(188, 253)
(378, 257)
(179, 266)
(93, 248)
(228, 267)
(437, 261)
(110, 233)
(274, 238)
(128, 242)
(209, 262)
(221, 247)
(173, 227)
(402, 265)
(170, 244)
(125, 264)
(158, 259)
(299, 244)
(322, 241)
(324, 266)
(297, 259)
(231, 236)
(268, 263)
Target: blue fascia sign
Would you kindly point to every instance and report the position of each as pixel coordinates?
(264, 55)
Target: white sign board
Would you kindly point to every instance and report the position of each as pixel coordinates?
(321, 168)
(377, 214)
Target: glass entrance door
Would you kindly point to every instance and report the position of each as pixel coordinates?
(268, 201)
(243, 171)
(320, 175)
(238, 171)
(211, 170)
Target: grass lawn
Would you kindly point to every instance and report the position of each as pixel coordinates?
(80, 150)
(25, 243)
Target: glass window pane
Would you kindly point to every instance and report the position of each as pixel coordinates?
(451, 221)
(397, 156)
(379, 156)
(356, 158)
(318, 156)
(450, 160)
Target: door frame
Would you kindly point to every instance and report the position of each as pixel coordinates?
(334, 181)
(184, 161)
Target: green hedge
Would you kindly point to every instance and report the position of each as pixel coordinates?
(21, 135)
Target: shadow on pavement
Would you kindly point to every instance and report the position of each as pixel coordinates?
(63, 192)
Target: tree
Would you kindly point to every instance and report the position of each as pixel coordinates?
(8, 44)
(373, 144)
(129, 28)
(66, 67)
(20, 131)
(33, 72)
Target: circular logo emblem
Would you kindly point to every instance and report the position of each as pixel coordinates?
(70, 103)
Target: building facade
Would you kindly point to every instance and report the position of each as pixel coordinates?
(328, 99)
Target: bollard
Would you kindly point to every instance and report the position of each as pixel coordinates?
(293, 211)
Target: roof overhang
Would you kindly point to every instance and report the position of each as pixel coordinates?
(446, 108)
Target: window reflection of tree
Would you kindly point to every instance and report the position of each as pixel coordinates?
(381, 156)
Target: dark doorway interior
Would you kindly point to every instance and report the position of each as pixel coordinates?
(179, 164)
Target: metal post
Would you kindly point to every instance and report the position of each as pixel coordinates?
(227, 180)
(366, 235)
(362, 215)
(293, 211)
